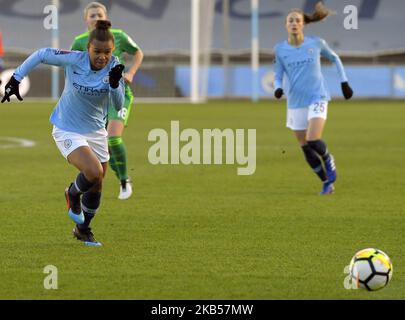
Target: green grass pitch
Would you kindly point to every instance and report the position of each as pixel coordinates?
(202, 231)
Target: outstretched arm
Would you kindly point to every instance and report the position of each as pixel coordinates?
(47, 56)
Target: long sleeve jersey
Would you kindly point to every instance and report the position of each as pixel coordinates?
(82, 107)
(302, 67)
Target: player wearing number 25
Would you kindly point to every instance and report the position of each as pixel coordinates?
(299, 58)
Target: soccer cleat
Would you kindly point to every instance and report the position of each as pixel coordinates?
(330, 168)
(125, 189)
(327, 188)
(86, 236)
(74, 208)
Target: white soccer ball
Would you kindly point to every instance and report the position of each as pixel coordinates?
(370, 269)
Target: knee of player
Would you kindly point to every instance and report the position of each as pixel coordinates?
(94, 174)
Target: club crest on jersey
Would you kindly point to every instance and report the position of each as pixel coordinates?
(106, 79)
(67, 143)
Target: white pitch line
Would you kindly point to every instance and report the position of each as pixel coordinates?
(16, 143)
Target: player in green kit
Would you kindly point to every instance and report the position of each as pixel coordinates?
(117, 121)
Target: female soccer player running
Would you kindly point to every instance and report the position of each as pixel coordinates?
(307, 94)
(117, 120)
(92, 78)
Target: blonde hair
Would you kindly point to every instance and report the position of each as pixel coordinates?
(94, 5)
(320, 12)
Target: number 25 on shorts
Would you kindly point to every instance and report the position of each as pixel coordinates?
(318, 107)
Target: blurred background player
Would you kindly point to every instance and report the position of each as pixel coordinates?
(79, 117)
(299, 58)
(117, 120)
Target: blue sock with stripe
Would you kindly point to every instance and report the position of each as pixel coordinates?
(90, 204)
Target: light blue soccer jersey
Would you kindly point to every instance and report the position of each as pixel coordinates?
(302, 66)
(82, 108)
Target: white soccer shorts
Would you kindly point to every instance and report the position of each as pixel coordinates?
(297, 119)
(67, 142)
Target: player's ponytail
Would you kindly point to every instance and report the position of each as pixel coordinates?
(102, 32)
(320, 13)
